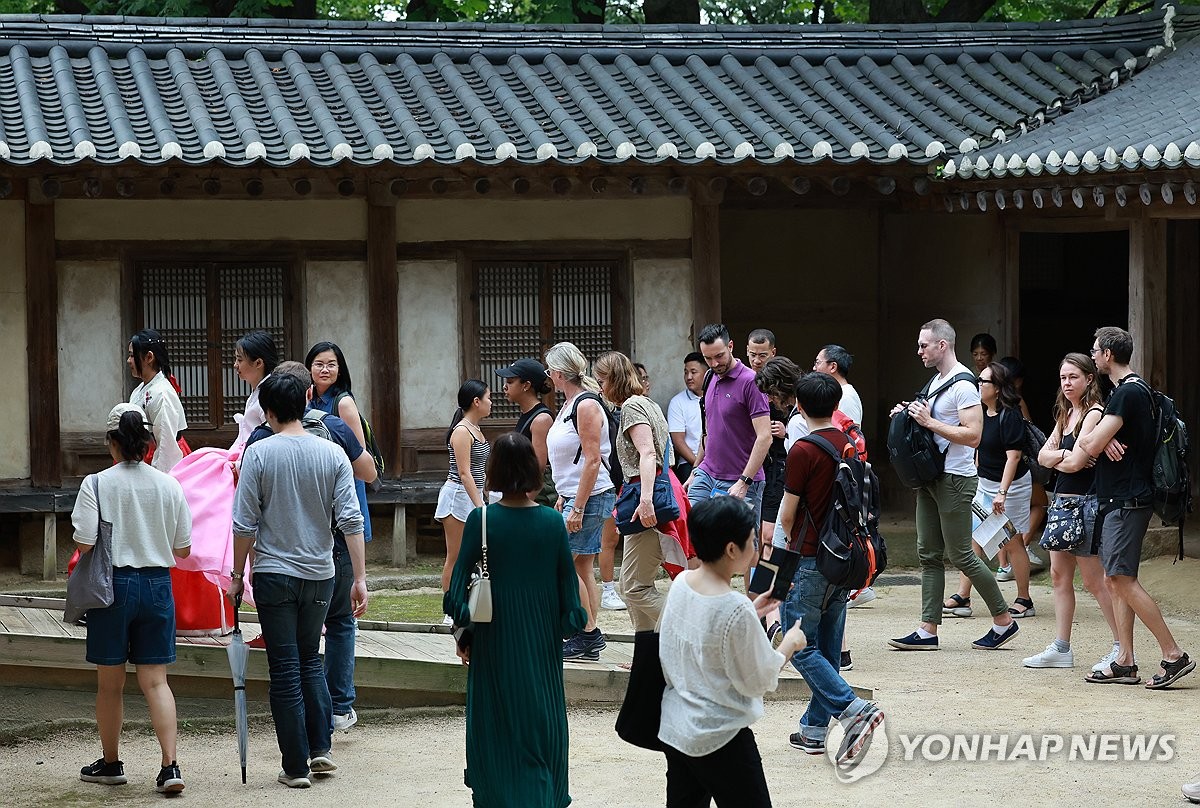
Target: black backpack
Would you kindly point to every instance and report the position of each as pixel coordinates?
(1032, 442)
(914, 454)
(614, 427)
(1172, 483)
(708, 377)
(850, 552)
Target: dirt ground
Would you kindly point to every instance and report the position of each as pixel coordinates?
(417, 760)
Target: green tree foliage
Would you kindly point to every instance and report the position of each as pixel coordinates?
(736, 12)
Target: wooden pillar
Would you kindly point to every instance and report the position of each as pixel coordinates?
(1148, 298)
(41, 325)
(383, 315)
(399, 535)
(706, 260)
(1010, 335)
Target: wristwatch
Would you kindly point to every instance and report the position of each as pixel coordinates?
(237, 576)
(745, 479)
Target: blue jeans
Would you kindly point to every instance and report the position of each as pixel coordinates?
(704, 484)
(291, 611)
(339, 635)
(821, 610)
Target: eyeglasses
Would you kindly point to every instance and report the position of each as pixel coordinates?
(982, 380)
(1095, 351)
(325, 365)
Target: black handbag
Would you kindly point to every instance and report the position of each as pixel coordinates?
(641, 712)
(91, 584)
(666, 509)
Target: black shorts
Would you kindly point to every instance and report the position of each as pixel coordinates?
(773, 490)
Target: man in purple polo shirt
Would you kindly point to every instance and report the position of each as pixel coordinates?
(737, 428)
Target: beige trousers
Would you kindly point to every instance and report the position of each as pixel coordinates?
(640, 561)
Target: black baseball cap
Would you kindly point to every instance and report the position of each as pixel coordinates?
(527, 370)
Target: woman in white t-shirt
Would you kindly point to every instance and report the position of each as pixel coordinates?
(578, 446)
(718, 664)
(151, 527)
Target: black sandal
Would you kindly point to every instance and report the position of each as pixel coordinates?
(1029, 611)
(1118, 674)
(1174, 672)
(961, 607)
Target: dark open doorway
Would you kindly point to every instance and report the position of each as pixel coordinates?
(1071, 284)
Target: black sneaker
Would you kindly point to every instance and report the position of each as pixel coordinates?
(847, 662)
(859, 730)
(594, 641)
(110, 774)
(809, 746)
(991, 641)
(915, 642)
(169, 781)
(576, 649)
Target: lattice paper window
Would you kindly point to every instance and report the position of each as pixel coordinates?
(202, 309)
(524, 307)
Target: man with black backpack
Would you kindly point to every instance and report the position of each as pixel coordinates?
(810, 503)
(1124, 443)
(950, 411)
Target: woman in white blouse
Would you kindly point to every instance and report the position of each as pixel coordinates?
(718, 663)
(158, 397)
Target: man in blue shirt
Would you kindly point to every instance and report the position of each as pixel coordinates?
(339, 622)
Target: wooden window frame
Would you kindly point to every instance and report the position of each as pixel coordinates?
(214, 432)
(621, 296)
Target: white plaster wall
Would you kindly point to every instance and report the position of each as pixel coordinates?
(157, 220)
(336, 310)
(91, 354)
(14, 393)
(430, 342)
(662, 322)
(543, 220)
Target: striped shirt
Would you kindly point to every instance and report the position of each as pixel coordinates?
(480, 449)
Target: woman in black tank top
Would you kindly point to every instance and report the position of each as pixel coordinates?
(525, 382)
(1078, 410)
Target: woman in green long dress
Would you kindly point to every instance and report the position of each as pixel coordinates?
(516, 708)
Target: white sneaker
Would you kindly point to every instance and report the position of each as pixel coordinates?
(1192, 791)
(294, 782)
(447, 620)
(609, 599)
(1035, 561)
(322, 764)
(1004, 574)
(341, 723)
(1110, 658)
(865, 595)
(1051, 658)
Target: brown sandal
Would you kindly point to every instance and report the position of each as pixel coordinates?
(1118, 675)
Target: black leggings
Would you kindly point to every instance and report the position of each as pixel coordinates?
(732, 775)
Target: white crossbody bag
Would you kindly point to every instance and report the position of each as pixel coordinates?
(479, 589)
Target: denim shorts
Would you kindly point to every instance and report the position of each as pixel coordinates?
(139, 626)
(704, 486)
(599, 507)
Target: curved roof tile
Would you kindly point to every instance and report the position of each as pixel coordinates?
(114, 89)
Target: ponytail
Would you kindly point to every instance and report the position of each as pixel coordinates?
(470, 390)
(148, 340)
(131, 436)
(458, 416)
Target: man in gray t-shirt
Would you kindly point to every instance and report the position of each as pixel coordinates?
(289, 487)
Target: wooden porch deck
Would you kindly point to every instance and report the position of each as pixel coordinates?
(397, 664)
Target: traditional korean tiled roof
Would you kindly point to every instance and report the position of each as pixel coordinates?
(114, 90)
(1152, 122)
